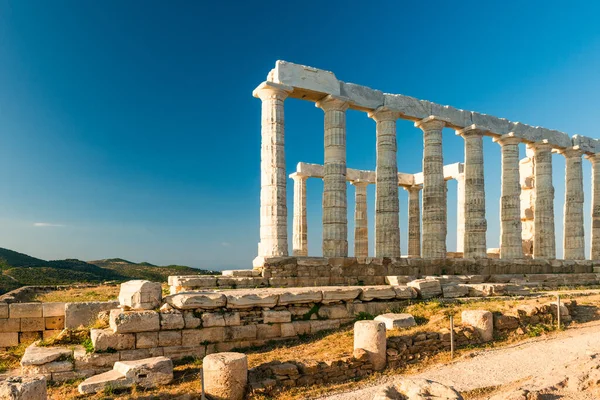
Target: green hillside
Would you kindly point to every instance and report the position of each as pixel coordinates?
(19, 269)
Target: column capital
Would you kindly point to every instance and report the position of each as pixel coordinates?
(431, 122)
(569, 152)
(333, 103)
(541, 145)
(594, 158)
(269, 90)
(299, 176)
(412, 189)
(508, 138)
(383, 113)
(471, 130)
(360, 183)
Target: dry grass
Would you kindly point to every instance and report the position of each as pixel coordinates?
(98, 293)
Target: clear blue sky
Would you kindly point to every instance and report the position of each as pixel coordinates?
(128, 129)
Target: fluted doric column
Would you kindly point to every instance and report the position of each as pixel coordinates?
(595, 237)
(335, 207)
(387, 208)
(475, 222)
(273, 209)
(460, 213)
(361, 227)
(300, 226)
(434, 189)
(414, 221)
(573, 235)
(511, 241)
(544, 242)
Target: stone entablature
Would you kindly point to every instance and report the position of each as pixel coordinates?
(334, 97)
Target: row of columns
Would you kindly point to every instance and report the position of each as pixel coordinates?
(273, 230)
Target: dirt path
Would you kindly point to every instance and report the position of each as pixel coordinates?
(533, 358)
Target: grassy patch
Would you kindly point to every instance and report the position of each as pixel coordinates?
(98, 293)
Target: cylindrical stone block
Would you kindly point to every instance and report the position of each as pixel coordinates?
(414, 221)
(300, 225)
(544, 241)
(335, 207)
(574, 236)
(225, 375)
(361, 226)
(434, 190)
(370, 336)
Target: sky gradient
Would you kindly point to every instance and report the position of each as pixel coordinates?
(128, 128)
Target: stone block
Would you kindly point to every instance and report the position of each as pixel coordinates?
(317, 326)
(369, 293)
(140, 295)
(110, 379)
(35, 355)
(362, 97)
(93, 361)
(196, 337)
(453, 291)
(134, 321)
(396, 321)
(10, 325)
(244, 299)
(225, 375)
(9, 339)
(50, 334)
(288, 330)
(339, 293)
(220, 319)
(370, 336)
(187, 282)
(169, 338)
(171, 320)
(84, 314)
(410, 107)
(30, 337)
(275, 317)
(505, 322)
(3, 310)
(426, 288)
(191, 320)
(25, 310)
(104, 339)
(299, 296)
(305, 78)
(333, 312)
(482, 321)
(32, 324)
(405, 292)
(147, 373)
(197, 300)
(53, 323)
(243, 332)
(241, 273)
(399, 280)
(49, 368)
(23, 388)
(146, 340)
(266, 331)
(302, 327)
(53, 309)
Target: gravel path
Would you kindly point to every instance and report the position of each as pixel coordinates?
(495, 367)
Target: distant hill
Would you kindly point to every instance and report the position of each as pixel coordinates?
(19, 269)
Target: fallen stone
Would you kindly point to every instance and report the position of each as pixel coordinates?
(192, 300)
(23, 388)
(369, 293)
(113, 379)
(399, 280)
(426, 288)
(417, 389)
(453, 291)
(148, 373)
(104, 339)
(482, 321)
(396, 321)
(405, 292)
(35, 355)
(140, 295)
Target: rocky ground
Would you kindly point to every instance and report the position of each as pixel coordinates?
(562, 366)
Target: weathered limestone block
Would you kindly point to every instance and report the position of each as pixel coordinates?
(54, 323)
(225, 375)
(242, 332)
(140, 295)
(482, 321)
(318, 326)
(35, 355)
(426, 288)
(396, 321)
(113, 379)
(171, 320)
(146, 340)
(3, 310)
(195, 337)
(399, 280)
(241, 273)
(339, 293)
(276, 317)
(333, 312)
(84, 314)
(104, 339)
(191, 320)
(370, 336)
(25, 310)
(405, 292)
(32, 324)
(179, 352)
(149, 372)
(134, 321)
(9, 339)
(299, 296)
(369, 293)
(417, 389)
(242, 299)
(505, 322)
(458, 290)
(288, 330)
(220, 319)
(268, 331)
(302, 327)
(10, 325)
(192, 300)
(169, 338)
(49, 368)
(93, 361)
(188, 282)
(23, 388)
(52, 309)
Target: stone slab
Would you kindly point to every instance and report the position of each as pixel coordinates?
(35, 355)
(23, 388)
(197, 300)
(396, 321)
(134, 321)
(25, 310)
(84, 314)
(56, 309)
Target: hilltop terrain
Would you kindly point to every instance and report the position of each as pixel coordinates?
(19, 269)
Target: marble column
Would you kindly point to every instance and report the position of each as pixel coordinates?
(573, 235)
(335, 208)
(300, 226)
(544, 242)
(414, 221)
(387, 208)
(361, 227)
(511, 246)
(475, 222)
(595, 237)
(273, 209)
(434, 189)
(460, 213)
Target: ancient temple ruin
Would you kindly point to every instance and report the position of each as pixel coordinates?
(527, 194)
